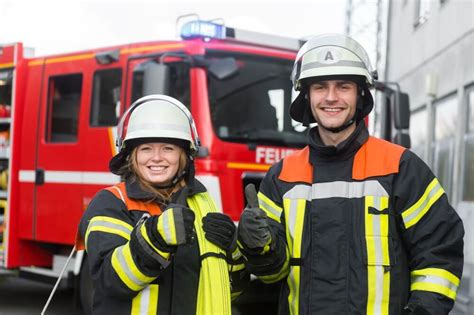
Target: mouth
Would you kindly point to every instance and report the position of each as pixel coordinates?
(155, 168)
(332, 110)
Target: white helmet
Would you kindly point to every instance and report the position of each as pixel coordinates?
(326, 56)
(151, 117)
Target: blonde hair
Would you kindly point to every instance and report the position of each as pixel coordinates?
(162, 195)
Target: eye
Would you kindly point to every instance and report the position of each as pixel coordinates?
(144, 148)
(169, 148)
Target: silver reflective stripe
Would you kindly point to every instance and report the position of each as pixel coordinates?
(109, 225)
(379, 269)
(435, 280)
(166, 226)
(125, 268)
(341, 63)
(292, 219)
(377, 232)
(424, 204)
(160, 126)
(145, 301)
(337, 189)
(276, 212)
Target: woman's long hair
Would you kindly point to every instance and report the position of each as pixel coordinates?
(161, 195)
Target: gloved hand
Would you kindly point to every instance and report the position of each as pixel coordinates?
(171, 228)
(220, 230)
(415, 309)
(254, 234)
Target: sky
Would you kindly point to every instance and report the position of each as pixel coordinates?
(51, 26)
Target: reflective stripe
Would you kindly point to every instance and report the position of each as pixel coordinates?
(435, 280)
(340, 63)
(294, 214)
(145, 302)
(128, 272)
(143, 234)
(414, 214)
(338, 189)
(376, 234)
(108, 225)
(271, 209)
(166, 227)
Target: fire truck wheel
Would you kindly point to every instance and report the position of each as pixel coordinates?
(85, 288)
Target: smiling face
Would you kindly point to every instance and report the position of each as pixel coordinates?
(333, 102)
(158, 163)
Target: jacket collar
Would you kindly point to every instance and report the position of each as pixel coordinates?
(319, 152)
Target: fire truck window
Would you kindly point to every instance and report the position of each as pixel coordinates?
(5, 87)
(179, 86)
(63, 108)
(105, 105)
(468, 165)
(253, 105)
(445, 129)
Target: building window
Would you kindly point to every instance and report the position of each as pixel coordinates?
(64, 100)
(105, 105)
(419, 131)
(468, 164)
(422, 11)
(446, 115)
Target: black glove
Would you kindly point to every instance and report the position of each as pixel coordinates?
(220, 230)
(254, 234)
(173, 227)
(415, 309)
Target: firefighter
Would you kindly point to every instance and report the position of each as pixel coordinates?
(352, 223)
(156, 243)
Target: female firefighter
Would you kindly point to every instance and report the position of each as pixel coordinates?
(156, 242)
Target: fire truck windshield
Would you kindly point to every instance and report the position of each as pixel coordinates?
(252, 106)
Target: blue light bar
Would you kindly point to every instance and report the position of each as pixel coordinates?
(202, 29)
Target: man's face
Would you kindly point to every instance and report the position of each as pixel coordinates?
(333, 102)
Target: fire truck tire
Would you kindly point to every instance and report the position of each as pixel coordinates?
(85, 288)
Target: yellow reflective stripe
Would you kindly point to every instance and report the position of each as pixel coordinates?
(284, 271)
(294, 215)
(271, 209)
(166, 227)
(146, 301)
(412, 215)
(376, 234)
(435, 280)
(147, 239)
(108, 225)
(124, 266)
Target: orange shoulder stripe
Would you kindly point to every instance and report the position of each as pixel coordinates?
(376, 157)
(296, 167)
(120, 192)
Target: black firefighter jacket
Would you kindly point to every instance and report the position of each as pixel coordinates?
(107, 225)
(362, 228)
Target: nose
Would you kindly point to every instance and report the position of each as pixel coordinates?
(157, 156)
(331, 95)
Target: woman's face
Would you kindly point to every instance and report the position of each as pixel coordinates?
(158, 163)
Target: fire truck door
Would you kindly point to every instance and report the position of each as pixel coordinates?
(59, 172)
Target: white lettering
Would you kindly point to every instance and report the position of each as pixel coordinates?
(271, 155)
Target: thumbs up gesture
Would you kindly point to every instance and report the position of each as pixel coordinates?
(253, 232)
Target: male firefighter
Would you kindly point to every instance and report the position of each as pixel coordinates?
(354, 224)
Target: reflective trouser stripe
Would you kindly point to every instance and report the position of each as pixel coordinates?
(376, 234)
(412, 215)
(271, 209)
(146, 301)
(127, 270)
(294, 214)
(108, 225)
(435, 280)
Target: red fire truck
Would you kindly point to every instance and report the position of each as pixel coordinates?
(58, 117)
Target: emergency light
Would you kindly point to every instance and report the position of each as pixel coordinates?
(209, 30)
(203, 29)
